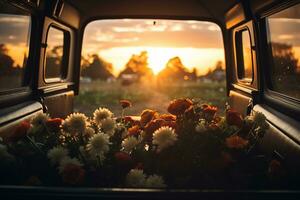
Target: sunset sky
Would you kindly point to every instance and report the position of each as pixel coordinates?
(198, 44)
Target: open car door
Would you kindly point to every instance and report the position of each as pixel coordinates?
(36, 60)
(263, 75)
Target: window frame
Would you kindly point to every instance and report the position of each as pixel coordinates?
(65, 57)
(239, 56)
(19, 95)
(26, 79)
(288, 105)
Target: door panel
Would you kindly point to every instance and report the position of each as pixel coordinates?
(59, 105)
(239, 102)
(283, 138)
(55, 82)
(12, 116)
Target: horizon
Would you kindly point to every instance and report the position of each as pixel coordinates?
(198, 44)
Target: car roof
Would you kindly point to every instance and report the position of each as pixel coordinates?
(209, 10)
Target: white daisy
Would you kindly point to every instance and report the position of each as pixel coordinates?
(57, 154)
(108, 126)
(101, 114)
(261, 120)
(65, 125)
(98, 144)
(39, 119)
(89, 131)
(76, 123)
(164, 137)
(135, 178)
(68, 161)
(129, 143)
(155, 181)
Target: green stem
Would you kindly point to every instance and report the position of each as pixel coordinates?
(34, 144)
(99, 163)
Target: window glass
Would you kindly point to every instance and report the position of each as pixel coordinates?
(150, 62)
(55, 59)
(14, 43)
(244, 55)
(284, 45)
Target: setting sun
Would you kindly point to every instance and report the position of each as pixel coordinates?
(198, 44)
(200, 58)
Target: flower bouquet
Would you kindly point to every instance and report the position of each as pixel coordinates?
(191, 147)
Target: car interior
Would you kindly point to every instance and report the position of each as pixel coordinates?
(257, 81)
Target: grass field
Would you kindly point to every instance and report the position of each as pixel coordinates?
(145, 95)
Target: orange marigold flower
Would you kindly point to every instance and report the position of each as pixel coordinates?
(168, 117)
(148, 115)
(171, 124)
(132, 122)
(54, 123)
(73, 174)
(210, 112)
(236, 142)
(234, 118)
(125, 103)
(134, 131)
(179, 106)
(128, 119)
(20, 131)
(151, 127)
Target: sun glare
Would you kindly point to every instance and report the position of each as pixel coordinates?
(200, 58)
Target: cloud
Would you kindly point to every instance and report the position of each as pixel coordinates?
(176, 27)
(14, 29)
(168, 33)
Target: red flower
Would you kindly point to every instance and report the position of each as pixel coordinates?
(73, 174)
(148, 115)
(20, 131)
(209, 112)
(236, 142)
(125, 103)
(54, 123)
(134, 131)
(171, 124)
(128, 119)
(151, 127)
(168, 117)
(122, 157)
(124, 160)
(234, 118)
(179, 106)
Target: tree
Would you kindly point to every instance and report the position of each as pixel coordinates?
(6, 62)
(218, 73)
(285, 62)
(97, 69)
(54, 61)
(175, 70)
(138, 65)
